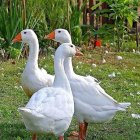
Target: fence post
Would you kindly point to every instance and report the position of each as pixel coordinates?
(104, 19)
(24, 13)
(85, 14)
(79, 3)
(91, 3)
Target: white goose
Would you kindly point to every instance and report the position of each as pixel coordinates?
(33, 78)
(92, 103)
(51, 109)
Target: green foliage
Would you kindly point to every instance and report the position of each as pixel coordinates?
(14, 52)
(43, 16)
(56, 14)
(14, 18)
(96, 6)
(65, 14)
(75, 23)
(34, 13)
(105, 32)
(11, 22)
(120, 11)
(77, 29)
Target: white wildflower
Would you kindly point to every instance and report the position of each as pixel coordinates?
(136, 116)
(77, 67)
(106, 51)
(52, 56)
(80, 62)
(112, 75)
(119, 57)
(94, 65)
(103, 61)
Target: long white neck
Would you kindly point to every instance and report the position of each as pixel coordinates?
(68, 63)
(61, 79)
(32, 61)
(68, 67)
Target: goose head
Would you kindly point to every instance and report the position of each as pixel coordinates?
(69, 50)
(25, 36)
(59, 35)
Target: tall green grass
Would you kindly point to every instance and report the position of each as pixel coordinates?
(14, 17)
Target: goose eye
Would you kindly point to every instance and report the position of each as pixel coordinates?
(25, 32)
(71, 46)
(59, 31)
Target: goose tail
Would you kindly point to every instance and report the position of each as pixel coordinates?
(25, 112)
(124, 105)
(29, 113)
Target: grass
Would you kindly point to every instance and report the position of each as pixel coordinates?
(125, 87)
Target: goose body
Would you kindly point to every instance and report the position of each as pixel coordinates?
(51, 108)
(33, 78)
(92, 103)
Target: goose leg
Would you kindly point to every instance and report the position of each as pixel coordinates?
(81, 130)
(34, 137)
(85, 129)
(61, 138)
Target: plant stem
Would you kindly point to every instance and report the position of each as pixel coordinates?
(68, 4)
(24, 13)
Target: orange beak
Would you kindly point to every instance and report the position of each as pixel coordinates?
(17, 38)
(50, 35)
(78, 53)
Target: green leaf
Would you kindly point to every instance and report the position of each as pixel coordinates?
(96, 6)
(130, 20)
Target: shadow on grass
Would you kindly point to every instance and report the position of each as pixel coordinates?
(10, 131)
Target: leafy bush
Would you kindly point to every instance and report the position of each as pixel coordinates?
(120, 11)
(11, 22)
(56, 14)
(16, 16)
(66, 14)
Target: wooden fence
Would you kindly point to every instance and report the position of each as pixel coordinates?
(89, 18)
(93, 20)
